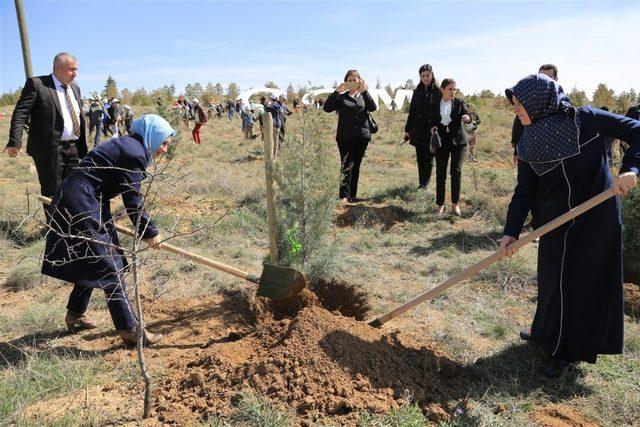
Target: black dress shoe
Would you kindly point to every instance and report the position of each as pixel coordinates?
(556, 368)
(525, 334)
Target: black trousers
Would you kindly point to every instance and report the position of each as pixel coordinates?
(117, 302)
(53, 169)
(351, 154)
(457, 154)
(424, 157)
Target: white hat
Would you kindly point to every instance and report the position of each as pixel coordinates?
(115, 100)
(273, 96)
(196, 100)
(126, 107)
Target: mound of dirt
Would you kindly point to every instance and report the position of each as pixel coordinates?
(561, 416)
(632, 300)
(372, 214)
(318, 363)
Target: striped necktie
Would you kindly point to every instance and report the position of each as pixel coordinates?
(74, 116)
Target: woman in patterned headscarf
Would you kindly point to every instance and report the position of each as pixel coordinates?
(580, 294)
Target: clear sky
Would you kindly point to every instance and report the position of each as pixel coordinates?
(482, 44)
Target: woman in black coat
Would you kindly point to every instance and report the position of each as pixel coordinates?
(562, 149)
(423, 114)
(353, 134)
(82, 244)
(451, 115)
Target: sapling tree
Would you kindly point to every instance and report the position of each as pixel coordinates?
(307, 178)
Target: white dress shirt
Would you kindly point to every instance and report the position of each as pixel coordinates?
(445, 112)
(67, 133)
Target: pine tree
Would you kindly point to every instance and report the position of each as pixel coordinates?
(271, 85)
(126, 96)
(218, 90)
(604, 97)
(378, 83)
(233, 91)
(409, 85)
(110, 88)
(578, 97)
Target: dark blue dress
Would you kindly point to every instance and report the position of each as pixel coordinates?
(580, 293)
(82, 244)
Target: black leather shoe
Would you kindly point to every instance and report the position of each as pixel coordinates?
(525, 334)
(556, 368)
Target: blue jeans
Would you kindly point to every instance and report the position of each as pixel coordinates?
(96, 139)
(230, 112)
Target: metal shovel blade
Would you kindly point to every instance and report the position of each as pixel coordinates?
(278, 282)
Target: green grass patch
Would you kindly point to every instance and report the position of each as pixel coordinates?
(26, 274)
(257, 411)
(43, 376)
(405, 416)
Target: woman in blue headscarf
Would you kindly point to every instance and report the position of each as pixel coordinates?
(82, 245)
(580, 294)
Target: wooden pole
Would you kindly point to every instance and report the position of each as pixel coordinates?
(24, 39)
(271, 202)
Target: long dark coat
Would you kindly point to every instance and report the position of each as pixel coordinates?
(580, 294)
(81, 209)
(424, 113)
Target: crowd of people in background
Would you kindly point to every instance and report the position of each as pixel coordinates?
(106, 118)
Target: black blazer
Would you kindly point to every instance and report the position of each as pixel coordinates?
(39, 107)
(352, 114)
(424, 111)
(456, 133)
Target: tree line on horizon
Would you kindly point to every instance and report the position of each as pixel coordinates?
(602, 96)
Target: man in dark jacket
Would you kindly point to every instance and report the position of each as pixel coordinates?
(50, 105)
(96, 119)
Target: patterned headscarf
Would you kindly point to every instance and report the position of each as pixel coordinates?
(154, 130)
(554, 132)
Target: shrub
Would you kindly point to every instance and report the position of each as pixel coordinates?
(307, 179)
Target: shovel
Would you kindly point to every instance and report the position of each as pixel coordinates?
(276, 282)
(481, 265)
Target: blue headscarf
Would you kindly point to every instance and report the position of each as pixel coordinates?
(154, 130)
(554, 132)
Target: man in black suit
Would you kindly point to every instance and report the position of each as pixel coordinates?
(51, 107)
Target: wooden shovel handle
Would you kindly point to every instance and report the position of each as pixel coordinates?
(184, 253)
(481, 265)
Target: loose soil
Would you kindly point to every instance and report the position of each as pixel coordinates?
(317, 362)
(370, 214)
(561, 416)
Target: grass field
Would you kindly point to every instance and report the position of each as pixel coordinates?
(393, 246)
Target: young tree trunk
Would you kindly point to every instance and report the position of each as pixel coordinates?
(148, 384)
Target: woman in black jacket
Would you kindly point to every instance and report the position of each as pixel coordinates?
(423, 115)
(353, 134)
(452, 113)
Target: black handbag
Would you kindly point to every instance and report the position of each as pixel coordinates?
(373, 126)
(435, 142)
